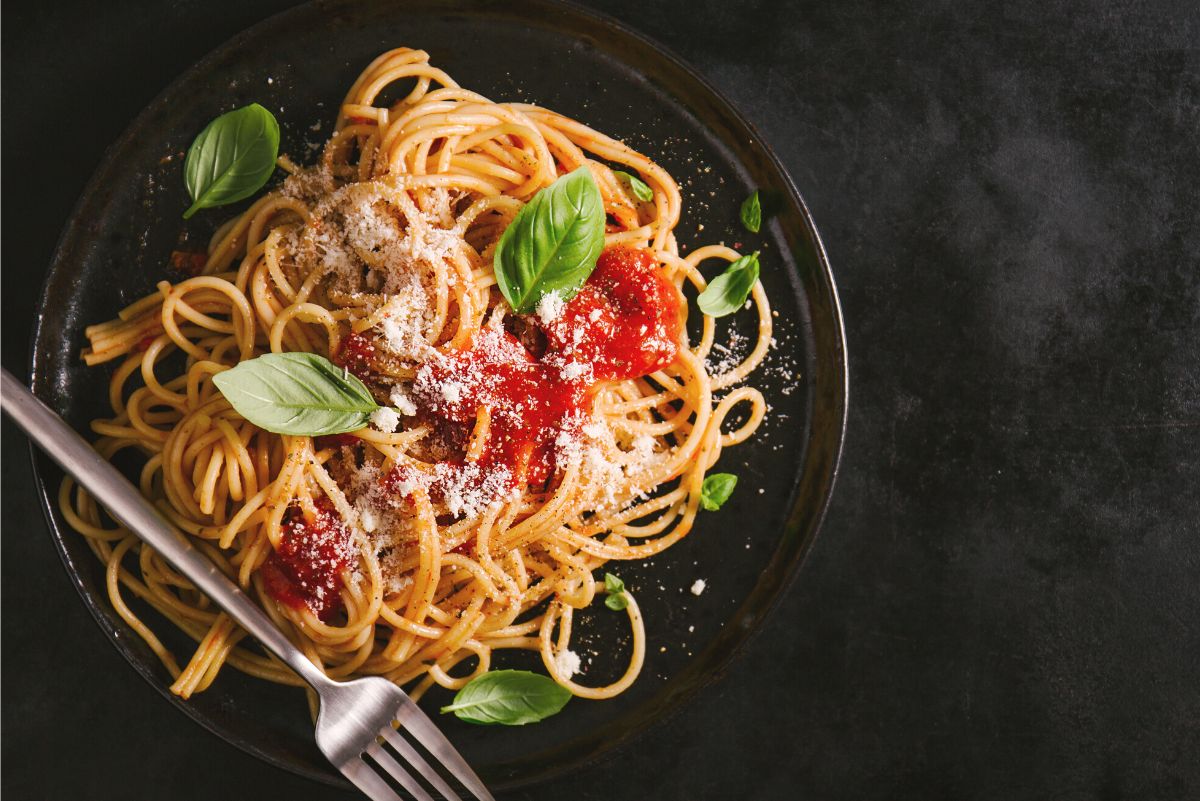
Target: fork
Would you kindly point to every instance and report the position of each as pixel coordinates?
(359, 720)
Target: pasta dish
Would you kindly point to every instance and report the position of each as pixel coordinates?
(423, 396)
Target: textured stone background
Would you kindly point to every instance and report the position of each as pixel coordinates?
(1004, 601)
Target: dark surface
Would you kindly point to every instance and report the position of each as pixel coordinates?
(1003, 601)
(299, 64)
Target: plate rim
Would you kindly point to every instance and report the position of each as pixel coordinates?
(793, 564)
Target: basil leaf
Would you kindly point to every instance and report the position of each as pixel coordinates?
(232, 158)
(617, 599)
(716, 489)
(752, 213)
(508, 698)
(729, 290)
(301, 394)
(612, 584)
(553, 243)
(636, 185)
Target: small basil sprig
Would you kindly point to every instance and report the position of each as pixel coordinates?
(232, 158)
(752, 213)
(641, 190)
(553, 243)
(617, 599)
(508, 698)
(299, 394)
(716, 489)
(729, 290)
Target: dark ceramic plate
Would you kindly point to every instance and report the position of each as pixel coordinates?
(299, 64)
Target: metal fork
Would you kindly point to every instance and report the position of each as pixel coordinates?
(358, 721)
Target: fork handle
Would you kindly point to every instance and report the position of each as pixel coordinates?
(132, 510)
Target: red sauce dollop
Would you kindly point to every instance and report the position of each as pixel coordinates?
(355, 355)
(529, 400)
(625, 321)
(306, 568)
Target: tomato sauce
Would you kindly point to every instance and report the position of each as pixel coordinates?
(355, 355)
(306, 569)
(625, 321)
(529, 401)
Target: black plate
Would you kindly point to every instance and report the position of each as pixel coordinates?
(299, 64)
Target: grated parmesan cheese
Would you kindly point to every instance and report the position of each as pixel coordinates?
(369, 238)
(573, 370)
(550, 307)
(366, 516)
(406, 318)
(643, 445)
(385, 419)
(567, 663)
(403, 403)
(594, 430)
(698, 587)
(725, 358)
(470, 489)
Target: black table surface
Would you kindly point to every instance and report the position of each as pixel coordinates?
(1004, 601)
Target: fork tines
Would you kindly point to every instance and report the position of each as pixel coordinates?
(394, 756)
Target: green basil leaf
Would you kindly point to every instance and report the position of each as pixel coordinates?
(612, 584)
(640, 188)
(617, 602)
(617, 599)
(232, 158)
(301, 394)
(553, 243)
(716, 489)
(752, 213)
(729, 290)
(508, 698)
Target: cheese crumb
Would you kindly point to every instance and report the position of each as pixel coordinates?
(566, 663)
(698, 587)
(385, 419)
(550, 307)
(643, 446)
(594, 430)
(471, 489)
(574, 370)
(452, 391)
(404, 404)
(367, 518)
(405, 318)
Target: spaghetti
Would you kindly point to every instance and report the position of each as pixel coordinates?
(517, 454)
